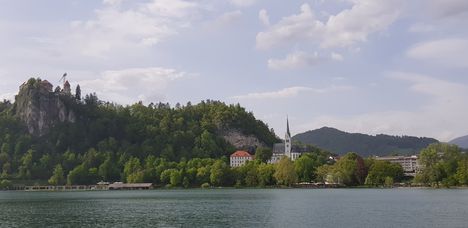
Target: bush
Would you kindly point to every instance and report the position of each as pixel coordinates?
(5, 184)
(205, 185)
(388, 182)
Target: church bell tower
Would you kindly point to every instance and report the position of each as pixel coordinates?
(287, 140)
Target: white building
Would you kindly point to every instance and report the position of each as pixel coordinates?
(239, 158)
(410, 164)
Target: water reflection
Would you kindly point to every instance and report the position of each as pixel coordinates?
(236, 208)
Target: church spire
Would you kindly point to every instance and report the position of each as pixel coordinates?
(287, 140)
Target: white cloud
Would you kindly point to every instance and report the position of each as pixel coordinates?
(228, 18)
(299, 59)
(297, 27)
(445, 52)
(356, 24)
(344, 29)
(263, 17)
(124, 86)
(444, 117)
(295, 60)
(112, 2)
(336, 56)
(171, 8)
(141, 25)
(292, 92)
(243, 3)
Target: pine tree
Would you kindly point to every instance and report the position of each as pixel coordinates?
(78, 93)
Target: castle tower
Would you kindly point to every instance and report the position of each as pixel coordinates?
(67, 88)
(287, 140)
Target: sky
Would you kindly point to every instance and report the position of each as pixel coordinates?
(369, 66)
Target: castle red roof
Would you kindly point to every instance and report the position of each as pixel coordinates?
(241, 153)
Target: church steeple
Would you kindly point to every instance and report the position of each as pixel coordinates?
(287, 140)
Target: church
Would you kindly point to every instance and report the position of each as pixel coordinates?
(287, 148)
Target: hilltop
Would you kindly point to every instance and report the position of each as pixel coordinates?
(341, 142)
(461, 141)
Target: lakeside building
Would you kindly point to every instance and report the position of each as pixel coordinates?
(239, 158)
(287, 148)
(135, 186)
(410, 164)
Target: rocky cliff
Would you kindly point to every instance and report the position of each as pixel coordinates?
(40, 108)
(240, 140)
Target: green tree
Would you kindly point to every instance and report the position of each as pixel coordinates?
(266, 174)
(166, 175)
(381, 170)
(462, 171)
(5, 170)
(250, 173)
(263, 154)
(388, 182)
(349, 170)
(109, 171)
(323, 172)
(78, 176)
(305, 168)
(440, 163)
(218, 173)
(78, 93)
(203, 175)
(136, 177)
(4, 158)
(285, 173)
(132, 169)
(176, 178)
(26, 165)
(58, 176)
(5, 184)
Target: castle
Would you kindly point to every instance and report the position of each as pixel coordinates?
(41, 108)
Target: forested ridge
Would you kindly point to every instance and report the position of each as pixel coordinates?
(106, 135)
(340, 142)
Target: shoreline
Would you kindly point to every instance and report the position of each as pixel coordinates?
(230, 188)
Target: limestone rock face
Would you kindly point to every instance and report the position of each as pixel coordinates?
(40, 108)
(240, 140)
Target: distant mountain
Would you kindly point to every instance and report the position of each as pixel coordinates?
(461, 141)
(341, 142)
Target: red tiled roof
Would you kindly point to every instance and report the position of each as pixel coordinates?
(241, 153)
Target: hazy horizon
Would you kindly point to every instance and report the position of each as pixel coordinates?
(366, 66)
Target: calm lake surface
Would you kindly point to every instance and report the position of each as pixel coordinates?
(237, 208)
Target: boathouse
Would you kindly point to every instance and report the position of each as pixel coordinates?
(136, 186)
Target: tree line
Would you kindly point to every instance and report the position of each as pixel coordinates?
(443, 165)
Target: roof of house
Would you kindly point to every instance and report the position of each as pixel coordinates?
(136, 185)
(241, 153)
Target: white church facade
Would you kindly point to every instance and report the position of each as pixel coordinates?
(287, 148)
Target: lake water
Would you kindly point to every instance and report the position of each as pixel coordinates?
(237, 208)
